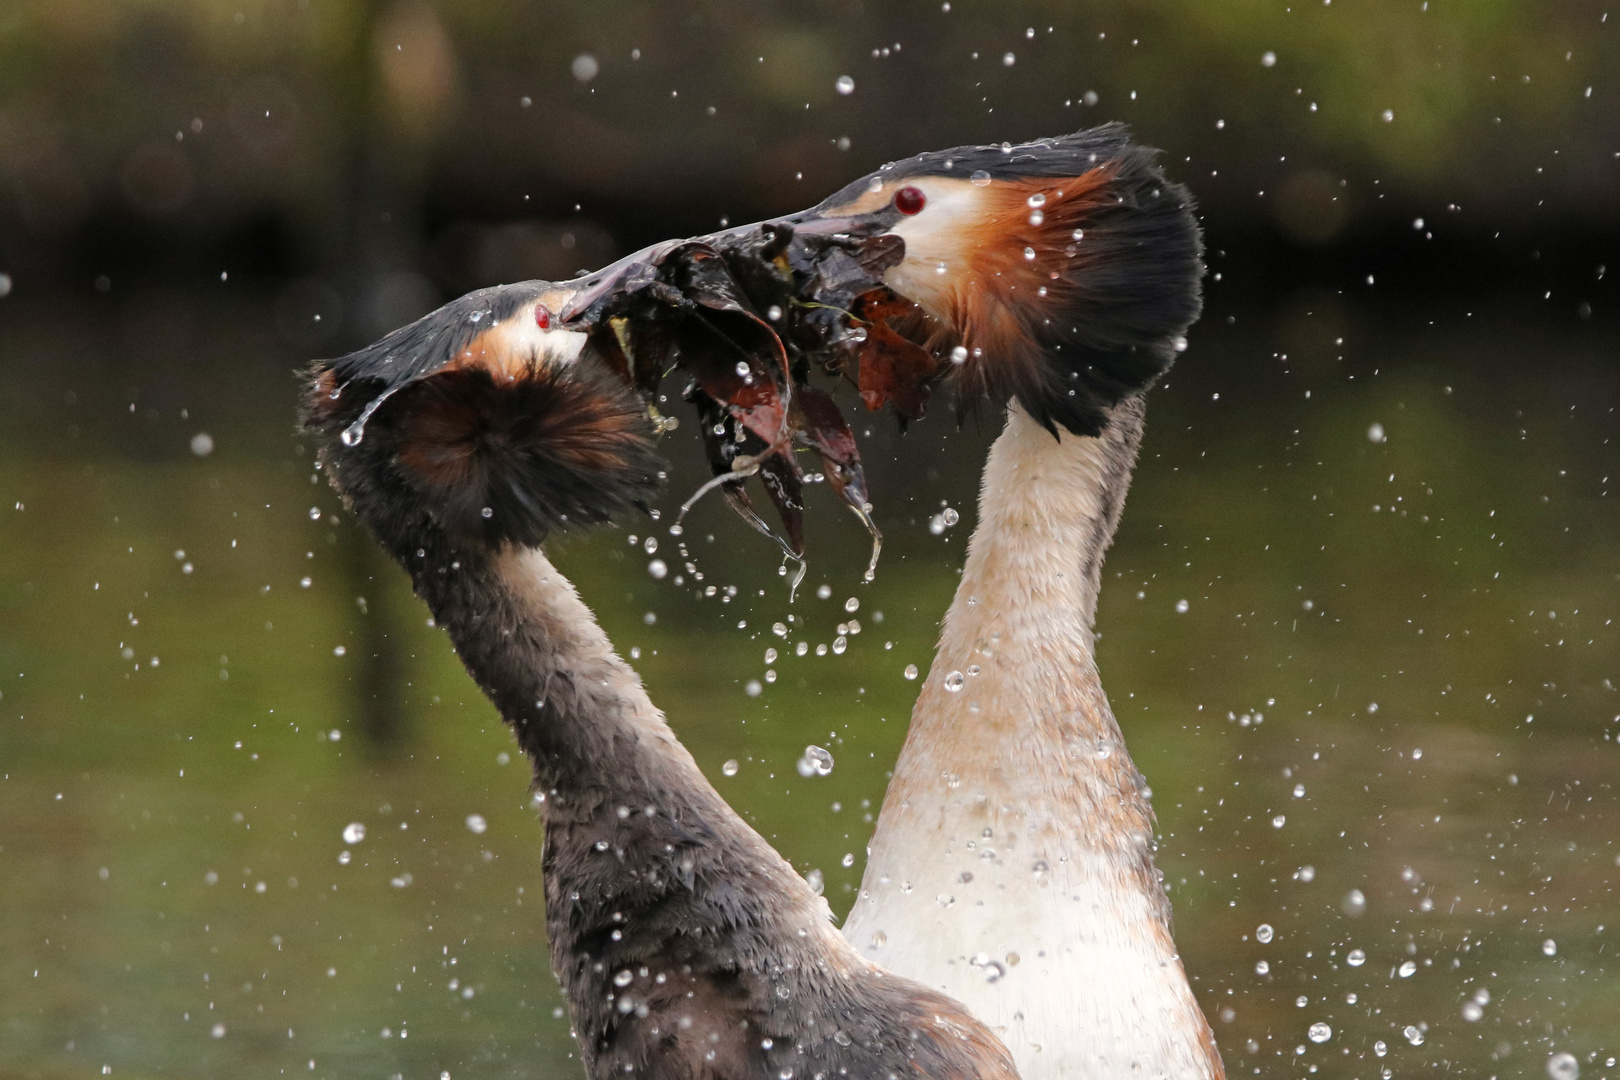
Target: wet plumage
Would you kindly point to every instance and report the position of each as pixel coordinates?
(685, 945)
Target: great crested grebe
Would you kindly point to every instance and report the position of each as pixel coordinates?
(1012, 864)
(685, 945)
(1058, 273)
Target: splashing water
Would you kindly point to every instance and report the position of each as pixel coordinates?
(815, 762)
(1563, 1066)
(356, 431)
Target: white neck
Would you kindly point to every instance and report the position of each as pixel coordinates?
(1012, 865)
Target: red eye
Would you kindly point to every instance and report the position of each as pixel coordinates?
(909, 200)
(542, 317)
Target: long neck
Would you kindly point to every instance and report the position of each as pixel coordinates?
(646, 866)
(684, 943)
(1012, 865)
(579, 711)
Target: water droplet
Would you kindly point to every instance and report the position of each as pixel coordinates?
(959, 354)
(1414, 1035)
(844, 85)
(979, 178)
(1563, 1066)
(1549, 947)
(817, 883)
(1008, 59)
(950, 516)
(354, 832)
(753, 688)
(1037, 218)
(1263, 967)
(476, 823)
(218, 1031)
(1279, 821)
(1181, 607)
(815, 761)
(730, 767)
(910, 672)
(944, 900)
(779, 629)
(622, 978)
(1408, 969)
(954, 681)
(1036, 201)
(1319, 1032)
(1380, 1048)
(1264, 933)
(202, 444)
(1376, 434)
(840, 643)
(1355, 903)
(1029, 254)
(356, 431)
(773, 313)
(1471, 1011)
(658, 569)
(853, 604)
(1268, 59)
(1356, 957)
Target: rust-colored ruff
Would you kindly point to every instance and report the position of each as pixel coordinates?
(1018, 267)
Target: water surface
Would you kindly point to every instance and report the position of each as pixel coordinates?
(1359, 627)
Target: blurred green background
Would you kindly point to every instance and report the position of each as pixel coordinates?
(1380, 478)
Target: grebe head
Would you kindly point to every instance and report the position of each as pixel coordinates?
(485, 420)
(1062, 272)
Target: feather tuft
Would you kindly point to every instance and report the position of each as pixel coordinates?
(493, 455)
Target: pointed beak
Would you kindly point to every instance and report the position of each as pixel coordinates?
(810, 223)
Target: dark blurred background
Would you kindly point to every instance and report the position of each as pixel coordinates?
(1359, 626)
(372, 157)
